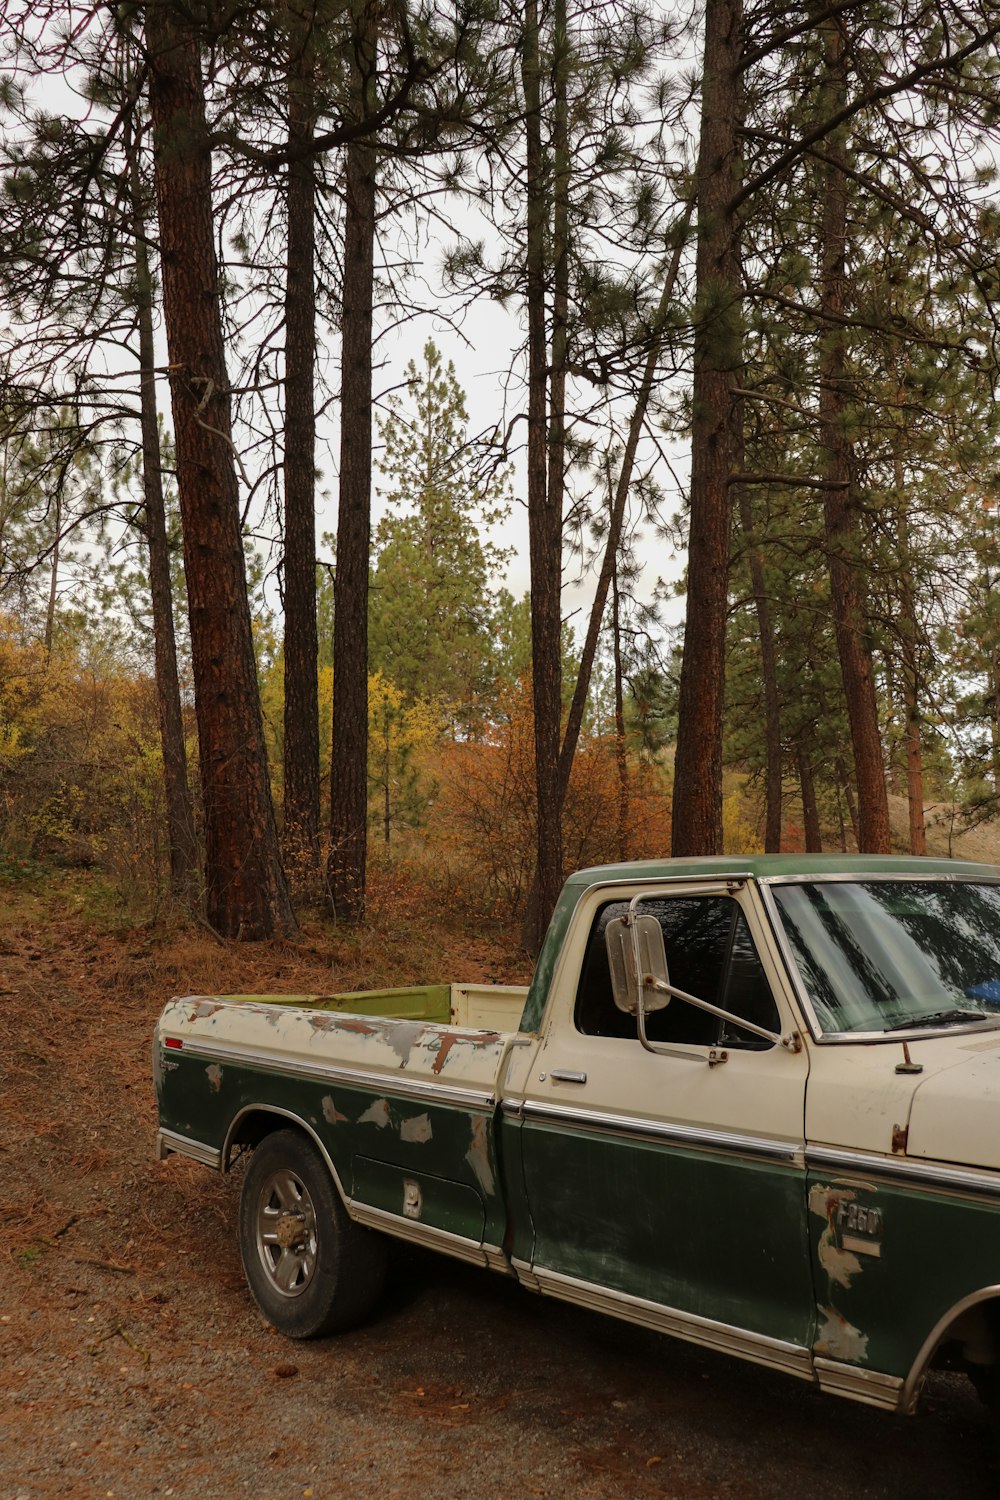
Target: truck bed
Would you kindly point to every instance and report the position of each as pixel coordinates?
(402, 1104)
(491, 1007)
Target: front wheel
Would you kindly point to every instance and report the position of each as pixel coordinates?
(311, 1271)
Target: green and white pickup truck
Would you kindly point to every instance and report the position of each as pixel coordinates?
(751, 1102)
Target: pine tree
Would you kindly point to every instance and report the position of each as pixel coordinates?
(431, 601)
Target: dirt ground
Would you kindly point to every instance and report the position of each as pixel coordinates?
(133, 1363)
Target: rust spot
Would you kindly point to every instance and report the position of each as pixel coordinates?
(899, 1137)
(328, 1021)
(331, 1113)
(205, 1008)
(356, 1024)
(320, 1022)
(214, 1074)
(450, 1039)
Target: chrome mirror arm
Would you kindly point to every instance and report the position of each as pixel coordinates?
(650, 982)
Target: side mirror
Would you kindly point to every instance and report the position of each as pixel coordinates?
(635, 953)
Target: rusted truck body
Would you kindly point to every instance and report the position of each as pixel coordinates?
(749, 1102)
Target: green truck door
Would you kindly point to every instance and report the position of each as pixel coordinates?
(669, 1181)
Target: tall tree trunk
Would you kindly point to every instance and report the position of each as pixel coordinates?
(181, 836)
(621, 757)
(346, 866)
(769, 676)
(50, 603)
(544, 520)
(301, 722)
(616, 514)
(697, 802)
(840, 511)
(810, 812)
(852, 806)
(911, 670)
(247, 895)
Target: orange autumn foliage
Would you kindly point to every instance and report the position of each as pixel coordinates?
(485, 811)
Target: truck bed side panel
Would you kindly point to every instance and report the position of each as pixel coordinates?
(403, 1109)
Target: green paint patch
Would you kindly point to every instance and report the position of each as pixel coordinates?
(422, 1002)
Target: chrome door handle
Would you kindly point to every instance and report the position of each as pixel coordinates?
(567, 1075)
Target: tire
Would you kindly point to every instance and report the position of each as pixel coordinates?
(310, 1270)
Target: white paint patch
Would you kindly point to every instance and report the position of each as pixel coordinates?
(839, 1339)
(417, 1129)
(214, 1074)
(478, 1157)
(331, 1113)
(838, 1262)
(376, 1114)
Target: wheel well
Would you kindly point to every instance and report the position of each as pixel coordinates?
(256, 1122)
(249, 1129)
(967, 1338)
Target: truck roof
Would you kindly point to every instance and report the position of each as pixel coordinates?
(757, 866)
(772, 866)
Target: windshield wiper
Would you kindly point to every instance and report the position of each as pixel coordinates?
(939, 1018)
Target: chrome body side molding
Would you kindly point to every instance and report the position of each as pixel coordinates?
(476, 1252)
(905, 1170)
(605, 1123)
(776, 1354)
(171, 1142)
(377, 1082)
(857, 1384)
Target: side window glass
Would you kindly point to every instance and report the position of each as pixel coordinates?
(711, 955)
(747, 994)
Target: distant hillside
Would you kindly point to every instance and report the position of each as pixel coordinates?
(944, 835)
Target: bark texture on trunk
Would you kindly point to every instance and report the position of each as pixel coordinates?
(840, 511)
(544, 521)
(810, 811)
(346, 866)
(621, 755)
(697, 801)
(246, 891)
(769, 675)
(910, 631)
(182, 840)
(300, 832)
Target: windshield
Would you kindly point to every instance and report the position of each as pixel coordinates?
(892, 954)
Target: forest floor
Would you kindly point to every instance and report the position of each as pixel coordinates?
(133, 1362)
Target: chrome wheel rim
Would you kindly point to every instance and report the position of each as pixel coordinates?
(286, 1233)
